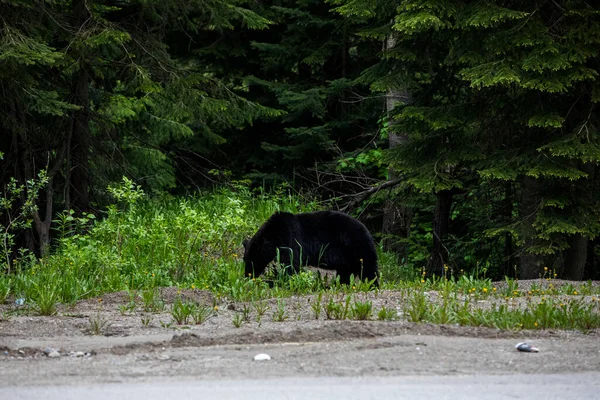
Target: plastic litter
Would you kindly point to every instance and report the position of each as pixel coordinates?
(20, 301)
(522, 346)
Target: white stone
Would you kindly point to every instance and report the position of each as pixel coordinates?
(262, 357)
(54, 354)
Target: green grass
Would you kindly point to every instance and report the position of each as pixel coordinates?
(545, 314)
(182, 311)
(146, 244)
(143, 244)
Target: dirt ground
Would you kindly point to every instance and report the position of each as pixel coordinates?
(129, 350)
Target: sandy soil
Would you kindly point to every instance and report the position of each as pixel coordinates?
(126, 350)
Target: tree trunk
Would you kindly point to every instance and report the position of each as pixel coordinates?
(509, 257)
(81, 136)
(441, 220)
(577, 253)
(529, 267)
(396, 217)
(576, 258)
(590, 272)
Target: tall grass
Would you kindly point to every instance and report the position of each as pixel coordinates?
(143, 243)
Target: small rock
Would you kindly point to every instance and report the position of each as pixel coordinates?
(526, 347)
(54, 354)
(78, 354)
(262, 357)
(48, 350)
(164, 357)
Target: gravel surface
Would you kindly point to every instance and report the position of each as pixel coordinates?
(128, 351)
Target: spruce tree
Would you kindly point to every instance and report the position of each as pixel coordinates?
(91, 92)
(503, 92)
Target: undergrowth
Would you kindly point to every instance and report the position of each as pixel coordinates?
(141, 244)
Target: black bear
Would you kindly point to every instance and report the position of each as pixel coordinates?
(324, 239)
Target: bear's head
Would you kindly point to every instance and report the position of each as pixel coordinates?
(261, 249)
(255, 256)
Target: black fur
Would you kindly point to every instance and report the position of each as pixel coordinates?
(325, 239)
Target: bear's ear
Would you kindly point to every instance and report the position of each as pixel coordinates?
(245, 242)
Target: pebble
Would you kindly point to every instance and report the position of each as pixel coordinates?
(54, 354)
(526, 347)
(262, 357)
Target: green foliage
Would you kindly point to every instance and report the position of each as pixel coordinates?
(362, 310)
(280, 314)
(337, 309)
(151, 300)
(17, 204)
(182, 311)
(501, 92)
(261, 307)
(45, 295)
(304, 67)
(98, 323)
(144, 243)
(237, 320)
(387, 314)
(5, 287)
(201, 314)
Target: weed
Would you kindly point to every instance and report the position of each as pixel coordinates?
(146, 320)
(5, 284)
(237, 320)
(261, 307)
(5, 316)
(201, 314)
(387, 314)
(362, 310)
(98, 324)
(166, 325)
(512, 287)
(151, 300)
(280, 314)
(361, 285)
(45, 302)
(182, 311)
(246, 313)
(316, 305)
(417, 308)
(127, 308)
(337, 310)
